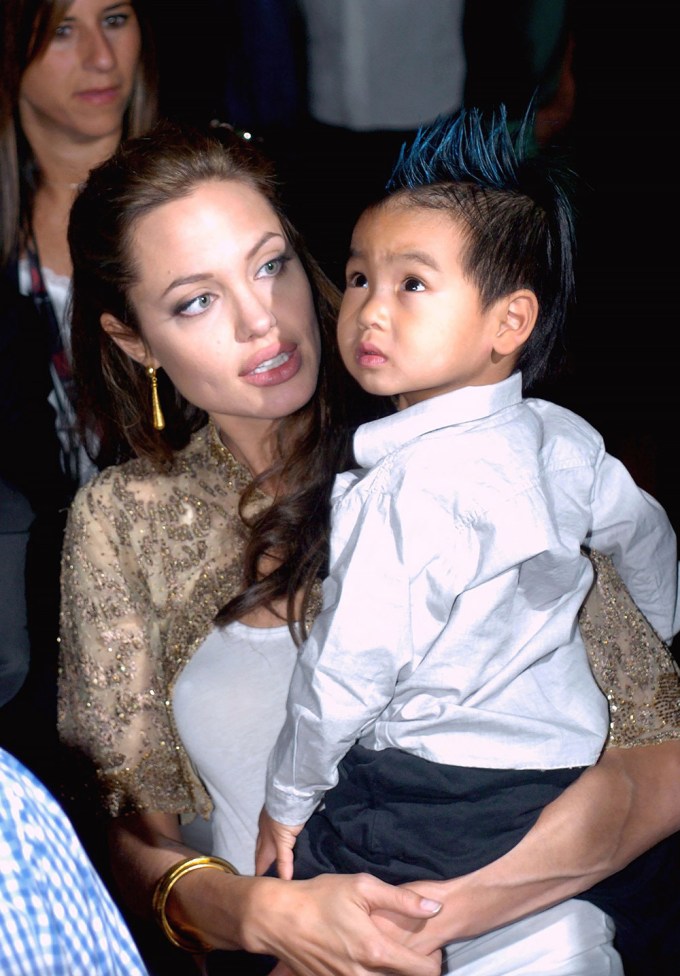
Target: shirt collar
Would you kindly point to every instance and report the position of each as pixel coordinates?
(380, 437)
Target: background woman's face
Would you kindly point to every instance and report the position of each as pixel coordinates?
(224, 304)
(81, 84)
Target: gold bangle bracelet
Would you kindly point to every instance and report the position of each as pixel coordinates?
(164, 886)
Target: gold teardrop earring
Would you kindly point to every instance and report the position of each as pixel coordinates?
(156, 412)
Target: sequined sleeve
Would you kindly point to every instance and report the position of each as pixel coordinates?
(147, 562)
(632, 665)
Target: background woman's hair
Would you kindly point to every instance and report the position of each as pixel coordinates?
(26, 29)
(112, 390)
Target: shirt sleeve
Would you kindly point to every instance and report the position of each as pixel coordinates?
(347, 669)
(56, 915)
(112, 700)
(633, 528)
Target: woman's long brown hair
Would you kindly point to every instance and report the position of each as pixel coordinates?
(313, 444)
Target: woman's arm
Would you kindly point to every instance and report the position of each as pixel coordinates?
(617, 810)
(321, 927)
(614, 812)
(114, 673)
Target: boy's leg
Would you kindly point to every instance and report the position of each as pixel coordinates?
(574, 938)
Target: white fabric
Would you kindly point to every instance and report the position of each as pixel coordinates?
(74, 454)
(384, 64)
(58, 287)
(229, 704)
(456, 576)
(571, 939)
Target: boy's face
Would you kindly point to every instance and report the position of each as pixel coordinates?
(410, 324)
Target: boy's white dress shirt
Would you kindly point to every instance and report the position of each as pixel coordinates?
(449, 626)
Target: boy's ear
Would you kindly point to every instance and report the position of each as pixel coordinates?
(518, 318)
(131, 344)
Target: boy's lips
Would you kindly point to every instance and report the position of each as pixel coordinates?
(368, 349)
(369, 355)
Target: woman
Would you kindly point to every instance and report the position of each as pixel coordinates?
(194, 299)
(76, 77)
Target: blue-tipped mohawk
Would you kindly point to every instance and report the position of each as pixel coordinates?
(470, 148)
(515, 203)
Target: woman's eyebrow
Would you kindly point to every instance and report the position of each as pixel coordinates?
(202, 275)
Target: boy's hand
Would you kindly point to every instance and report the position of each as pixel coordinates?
(275, 841)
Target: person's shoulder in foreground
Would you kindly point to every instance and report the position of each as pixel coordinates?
(56, 916)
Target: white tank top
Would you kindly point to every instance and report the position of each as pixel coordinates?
(229, 705)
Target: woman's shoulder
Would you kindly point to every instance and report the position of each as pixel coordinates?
(142, 480)
(632, 665)
(193, 498)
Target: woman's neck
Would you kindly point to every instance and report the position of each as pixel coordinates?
(63, 158)
(63, 165)
(250, 440)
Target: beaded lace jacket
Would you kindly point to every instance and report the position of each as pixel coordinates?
(149, 559)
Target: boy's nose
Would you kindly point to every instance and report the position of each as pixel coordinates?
(373, 314)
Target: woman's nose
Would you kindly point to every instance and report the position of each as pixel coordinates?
(253, 317)
(97, 51)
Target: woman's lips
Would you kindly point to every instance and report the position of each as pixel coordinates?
(99, 96)
(272, 366)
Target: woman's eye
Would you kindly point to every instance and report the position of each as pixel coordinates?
(272, 268)
(413, 284)
(195, 305)
(116, 20)
(357, 280)
(63, 30)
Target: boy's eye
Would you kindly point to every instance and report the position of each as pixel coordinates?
(413, 284)
(357, 280)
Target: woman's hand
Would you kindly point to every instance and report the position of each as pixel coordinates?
(321, 927)
(615, 811)
(355, 925)
(325, 927)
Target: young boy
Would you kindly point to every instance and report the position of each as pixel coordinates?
(444, 696)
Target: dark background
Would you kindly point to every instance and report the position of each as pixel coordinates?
(623, 344)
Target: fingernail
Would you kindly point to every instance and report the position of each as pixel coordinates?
(431, 906)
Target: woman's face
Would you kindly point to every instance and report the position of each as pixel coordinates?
(224, 306)
(81, 84)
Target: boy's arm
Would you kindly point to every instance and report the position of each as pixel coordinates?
(347, 670)
(633, 528)
(275, 842)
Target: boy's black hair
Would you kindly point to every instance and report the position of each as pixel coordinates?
(514, 205)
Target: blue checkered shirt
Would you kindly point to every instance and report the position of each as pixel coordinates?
(56, 916)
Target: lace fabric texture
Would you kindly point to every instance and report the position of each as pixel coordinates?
(631, 664)
(149, 559)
